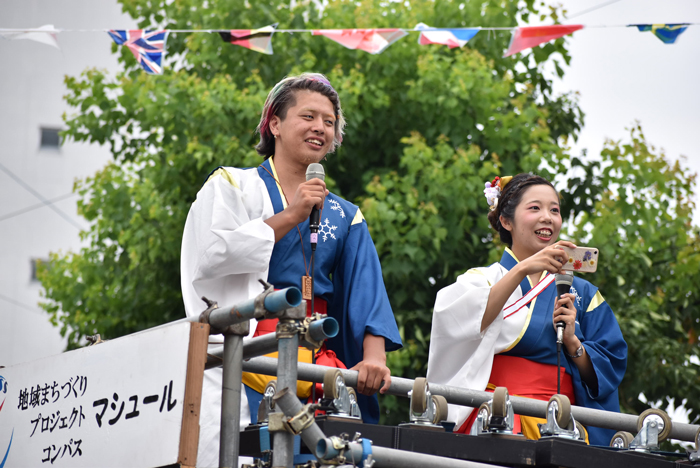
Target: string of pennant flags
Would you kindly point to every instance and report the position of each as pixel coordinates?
(149, 46)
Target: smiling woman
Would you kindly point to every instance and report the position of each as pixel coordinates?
(495, 327)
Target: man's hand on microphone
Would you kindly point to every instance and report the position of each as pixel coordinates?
(564, 311)
(308, 194)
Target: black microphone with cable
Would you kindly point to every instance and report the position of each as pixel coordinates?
(564, 281)
(314, 171)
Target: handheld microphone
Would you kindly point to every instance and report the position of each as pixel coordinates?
(314, 171)
(564, 281)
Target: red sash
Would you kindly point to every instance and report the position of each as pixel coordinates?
(524, 378)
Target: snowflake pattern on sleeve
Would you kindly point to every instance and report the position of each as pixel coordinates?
(326, 230)
(336, 206)
(575, 293)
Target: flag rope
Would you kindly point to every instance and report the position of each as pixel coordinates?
(408, 30)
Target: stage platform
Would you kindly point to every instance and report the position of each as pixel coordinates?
(511, 451)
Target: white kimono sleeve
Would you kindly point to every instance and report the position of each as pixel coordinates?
(226, 244)
(460, 354)
(226, 248)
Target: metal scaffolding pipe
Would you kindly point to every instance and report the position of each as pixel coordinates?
(474, 398)
(258, 346)
(319, 330)
(322, 447)
(229, 438)
(288, 346)
(392, 458)
(290, 405)
(275, 302)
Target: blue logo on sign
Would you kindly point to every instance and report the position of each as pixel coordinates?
(2, 463)
(3, 389)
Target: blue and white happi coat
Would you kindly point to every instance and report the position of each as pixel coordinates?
(227, 247)
(461, 355)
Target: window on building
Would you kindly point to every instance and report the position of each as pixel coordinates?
(50, 139)
(35, 262)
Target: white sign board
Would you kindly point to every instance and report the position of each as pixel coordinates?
(116, 404)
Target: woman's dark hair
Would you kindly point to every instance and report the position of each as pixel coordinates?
(510, 199)
(283, 96)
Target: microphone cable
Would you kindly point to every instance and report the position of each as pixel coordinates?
(313, 295)
(563, 282)
(314, 171)
(558, 367)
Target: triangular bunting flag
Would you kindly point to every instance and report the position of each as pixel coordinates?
(449, 37)
(259, 40)
(668, 33)
(373, 41)
(46, 36)
(147, 46)
(531, 36)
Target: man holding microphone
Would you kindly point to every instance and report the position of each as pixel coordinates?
(250, 224)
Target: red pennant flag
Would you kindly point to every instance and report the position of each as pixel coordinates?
(531, 36)
(373, 41)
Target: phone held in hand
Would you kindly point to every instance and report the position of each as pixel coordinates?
(583, 259)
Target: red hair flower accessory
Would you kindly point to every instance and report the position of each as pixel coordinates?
(493, 189)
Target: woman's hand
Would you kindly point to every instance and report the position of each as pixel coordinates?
(564, 311)
(551, 259)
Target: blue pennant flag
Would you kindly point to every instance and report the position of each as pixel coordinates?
(666, 32)
(450, 37)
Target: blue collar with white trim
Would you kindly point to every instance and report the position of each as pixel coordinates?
(508, 261)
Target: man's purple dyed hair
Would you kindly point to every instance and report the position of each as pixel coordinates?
(282, 97)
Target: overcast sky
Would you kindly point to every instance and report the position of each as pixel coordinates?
(625, 75)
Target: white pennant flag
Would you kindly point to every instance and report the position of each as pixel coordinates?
(45, 34)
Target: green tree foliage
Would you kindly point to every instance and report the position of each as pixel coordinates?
(641, 221)
(426, 127)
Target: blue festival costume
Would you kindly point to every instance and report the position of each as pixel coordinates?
(227, 247)
(599, 333)
(461, 355)
(347, 276)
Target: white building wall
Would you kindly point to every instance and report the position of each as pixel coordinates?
(31, 90)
